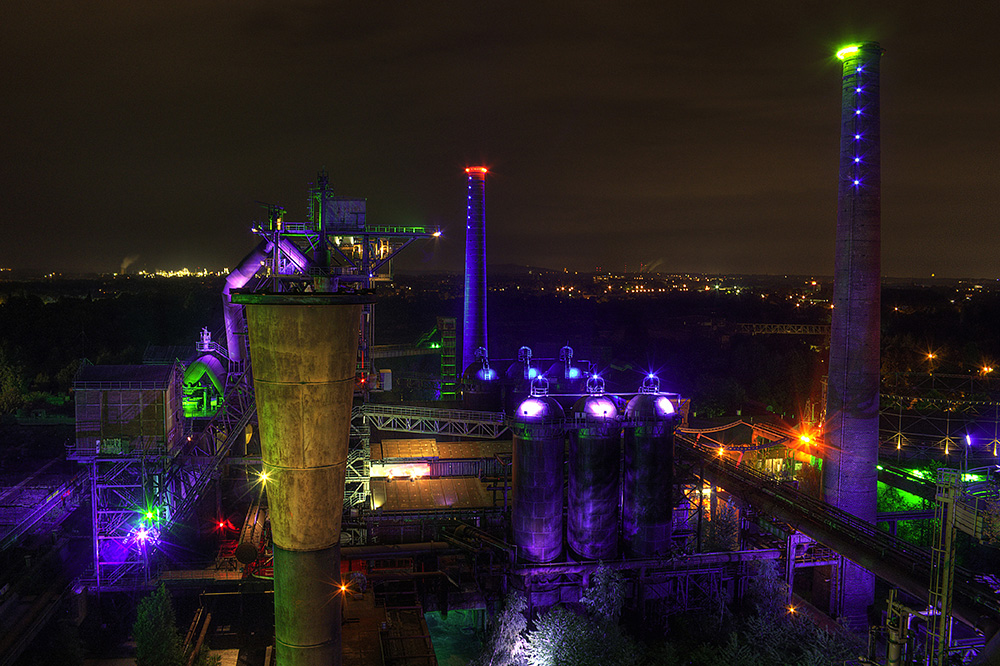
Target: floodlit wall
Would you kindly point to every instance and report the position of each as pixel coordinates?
(124, 418)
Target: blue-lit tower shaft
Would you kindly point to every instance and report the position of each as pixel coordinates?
(849, 468)
(474, 317)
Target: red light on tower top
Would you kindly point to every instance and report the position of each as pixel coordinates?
(479, 171)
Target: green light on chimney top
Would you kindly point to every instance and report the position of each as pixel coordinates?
(848, 51)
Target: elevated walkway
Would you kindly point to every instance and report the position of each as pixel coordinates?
(903, 565)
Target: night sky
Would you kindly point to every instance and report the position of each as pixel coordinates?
(686, 136)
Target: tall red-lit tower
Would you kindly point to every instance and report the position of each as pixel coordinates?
(474, 316)
(849, 468)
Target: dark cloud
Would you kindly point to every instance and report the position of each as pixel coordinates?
(703, 134)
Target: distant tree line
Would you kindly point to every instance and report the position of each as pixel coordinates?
(42, 340)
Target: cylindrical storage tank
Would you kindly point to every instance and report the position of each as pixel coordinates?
(647, 499)
(517, 380)
(304, 351)
(481, 387)
(594, 455)
(566, 378)
(537, 485)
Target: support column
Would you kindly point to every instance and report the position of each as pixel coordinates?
(304, 351)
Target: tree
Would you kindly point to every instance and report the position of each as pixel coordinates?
(723, 531)
(505, 645)
(155, 631)
(564, 638)
(11, 383)
(605, 594)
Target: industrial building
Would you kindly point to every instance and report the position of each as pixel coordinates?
(361, 513)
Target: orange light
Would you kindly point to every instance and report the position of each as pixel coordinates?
(791, 609)
(806, 438)
(477, 169)
(721, 451)
(411, 471)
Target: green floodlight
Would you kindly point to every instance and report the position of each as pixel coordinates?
(848, 51)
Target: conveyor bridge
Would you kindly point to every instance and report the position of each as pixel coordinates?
(903, 565)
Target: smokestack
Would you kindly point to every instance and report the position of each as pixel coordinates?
(304, 351)
(849, 468)
(474, 319)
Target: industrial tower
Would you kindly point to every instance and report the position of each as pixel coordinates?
(474, 319)
(849, 468)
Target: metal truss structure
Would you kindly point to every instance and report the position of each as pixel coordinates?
(337, 226)
(676, 585)
(933, 416)
(459, 422)
(139, 496)
(37, 504)
(785, 329)
(356, 486)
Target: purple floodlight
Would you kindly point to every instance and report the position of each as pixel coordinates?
(664, 406)
(145, 536)
(601, 407)
(531, 408)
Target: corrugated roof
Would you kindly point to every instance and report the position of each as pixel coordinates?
(456, 492)
(425, 449)
(124, 376)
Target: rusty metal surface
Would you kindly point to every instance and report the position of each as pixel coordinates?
(421, 495)
(425, 449)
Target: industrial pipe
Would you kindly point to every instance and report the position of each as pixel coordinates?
(240, 276)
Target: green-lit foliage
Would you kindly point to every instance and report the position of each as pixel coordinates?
(768, 633)
(919, 532)
(11, 383)
(155, 631)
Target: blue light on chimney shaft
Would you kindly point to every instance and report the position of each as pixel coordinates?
(474, 314)
(849, 468)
